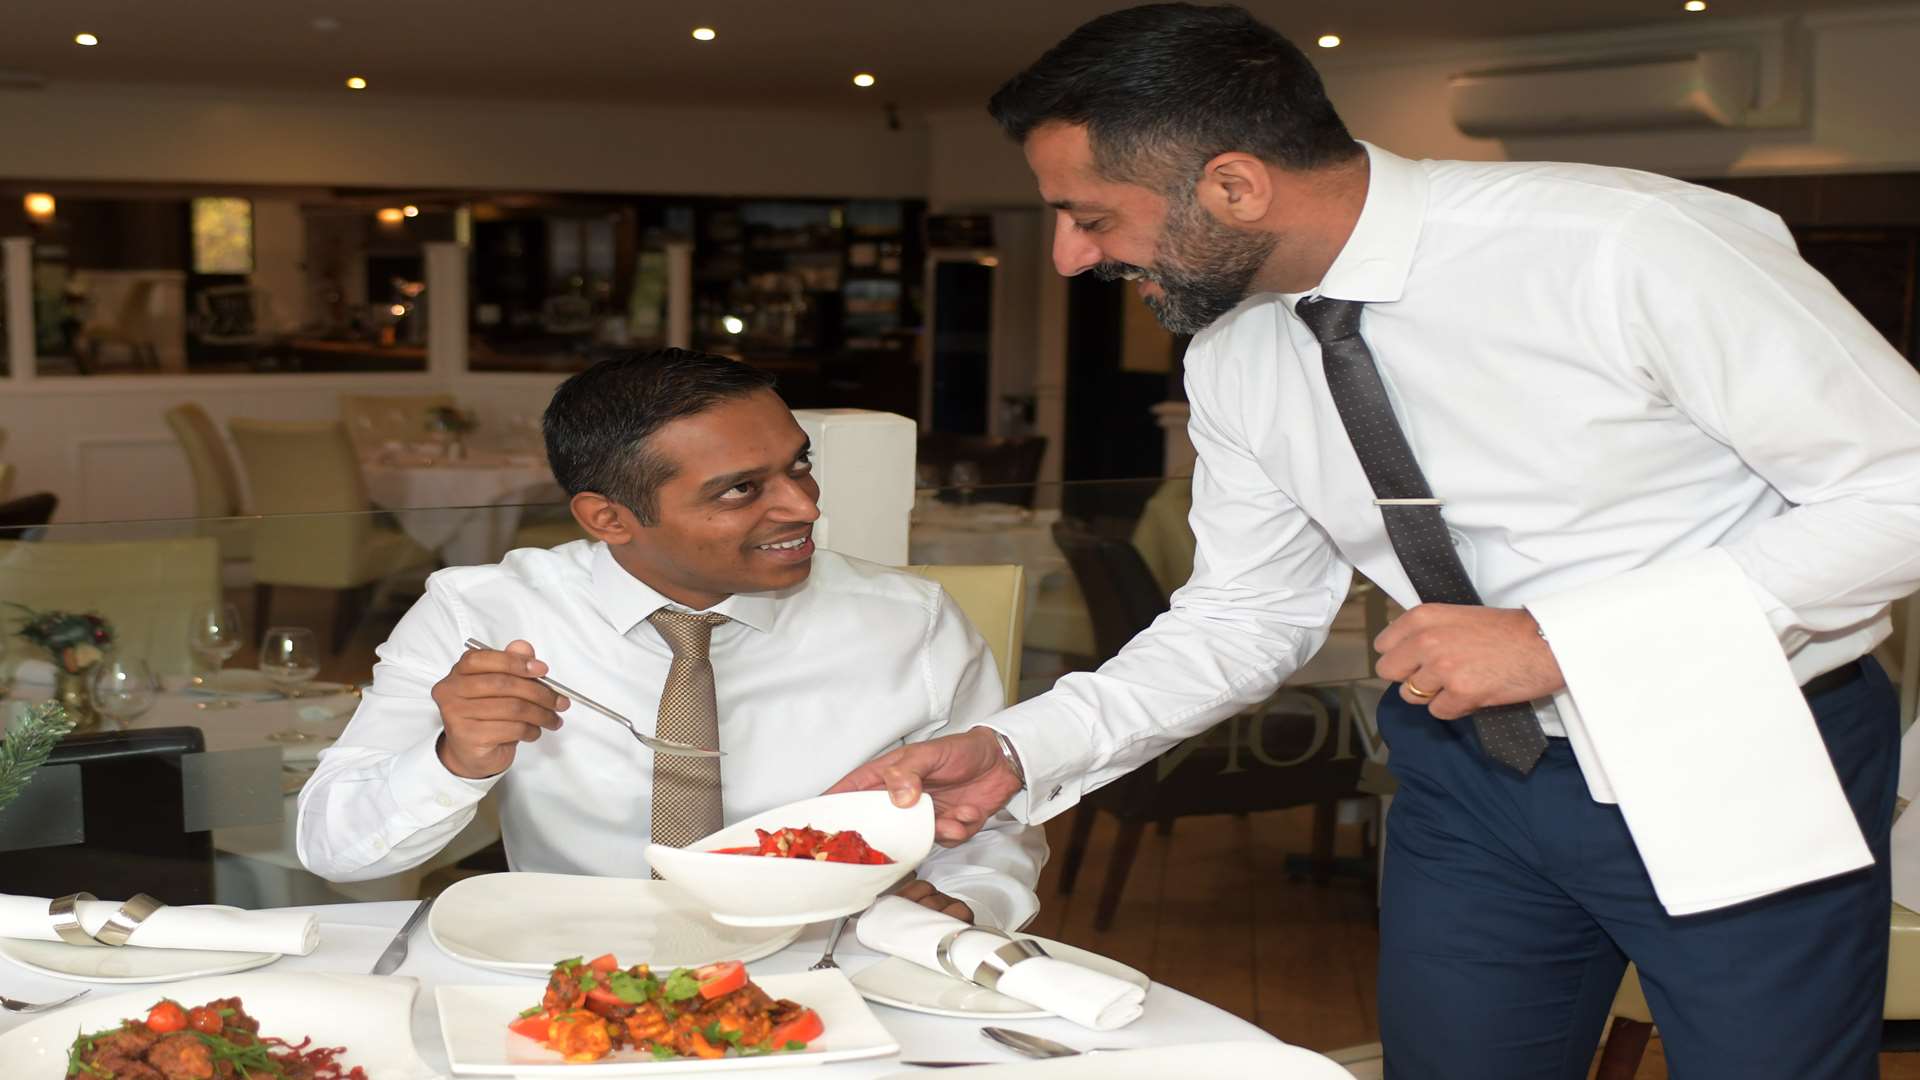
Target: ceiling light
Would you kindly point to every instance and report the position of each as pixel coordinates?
(85, 39)
(397, 310)
(355, 82)
(704, 33)
(39, 205)
(1695, 5)
(734, 324)
(391, 215)
(1329, 41)
(863, 80)
(410, 210)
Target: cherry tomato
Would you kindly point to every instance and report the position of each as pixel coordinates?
(201, 1018)
(801, 1029)
(603, 964)
(167, 1016)
(718, 980)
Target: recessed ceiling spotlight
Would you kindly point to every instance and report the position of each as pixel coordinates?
(704, 33)
(85, 39)
(1329, 41)
(39, 205)
(863, 80)
(391, 215)
(734, 324)
(410, 210)
(355, 82)
(1695, 5)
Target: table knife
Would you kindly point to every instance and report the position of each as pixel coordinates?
(396, 953)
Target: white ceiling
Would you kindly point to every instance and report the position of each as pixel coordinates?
(925, 53)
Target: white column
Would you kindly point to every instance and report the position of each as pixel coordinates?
(16, 262)
(864, 462)
(680, 294)
(1178, 454)
(446, 309)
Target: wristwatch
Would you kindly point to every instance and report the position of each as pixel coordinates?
(1013, 756)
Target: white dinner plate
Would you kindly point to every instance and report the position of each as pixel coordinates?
(522, 923)
(127, 964)
(906, 985)
(1272, 1060)
(370, 1017)
(474, 1021)
(248, 683)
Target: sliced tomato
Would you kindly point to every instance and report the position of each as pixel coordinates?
(600, 995)
(801, 1029)
(719, 980)
(167, 1016)
(533, 1027)
(603, 964)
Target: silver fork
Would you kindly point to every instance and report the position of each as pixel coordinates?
(825, 963)
(11, 1005)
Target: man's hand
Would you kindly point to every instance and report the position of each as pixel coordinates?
(1456, 660)
(923, 894)
(965, 774)
(490, 704)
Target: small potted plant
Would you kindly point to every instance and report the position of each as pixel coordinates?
(452, 425)
(75, 641)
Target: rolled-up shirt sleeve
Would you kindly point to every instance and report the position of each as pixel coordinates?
(1266, 585)
(381, 801)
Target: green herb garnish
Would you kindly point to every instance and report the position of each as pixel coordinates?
(662, 1053)
(795, 1044)
(681, 985)
(631, 989)
(535, 1011)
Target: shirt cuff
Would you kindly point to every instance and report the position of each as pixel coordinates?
(995, 899)
(426, 791)
(1055, 756)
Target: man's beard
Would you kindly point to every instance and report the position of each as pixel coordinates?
(1204, 269)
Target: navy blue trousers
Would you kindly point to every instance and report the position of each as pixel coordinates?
(1511, 906)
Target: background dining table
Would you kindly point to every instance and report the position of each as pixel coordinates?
(465, 509)
(353, 935)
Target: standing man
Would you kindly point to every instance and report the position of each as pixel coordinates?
(1556, 411)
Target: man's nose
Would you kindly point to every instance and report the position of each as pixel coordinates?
(799, 501)
(1073, 252)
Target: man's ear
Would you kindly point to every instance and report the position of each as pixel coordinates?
(602, 518)
(1236, 188)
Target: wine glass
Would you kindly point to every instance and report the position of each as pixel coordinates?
(123, 688)
(964, 475)
(214, 634)
(289, 656)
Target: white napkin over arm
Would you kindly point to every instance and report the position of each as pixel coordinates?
(913, 933)
(214, 929)
(1685, 712)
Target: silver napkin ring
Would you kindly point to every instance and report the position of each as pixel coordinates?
(66, 922)
(988, 973)
(121, 924)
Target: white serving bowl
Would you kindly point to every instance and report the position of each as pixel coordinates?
(748, 890)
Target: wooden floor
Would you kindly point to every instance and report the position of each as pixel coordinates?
(1210, 909)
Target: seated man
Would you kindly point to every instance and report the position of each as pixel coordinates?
(694, 481)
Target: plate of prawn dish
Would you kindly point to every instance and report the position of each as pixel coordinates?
(598, 1017)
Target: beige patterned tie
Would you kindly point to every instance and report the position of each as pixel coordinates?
(686, 790)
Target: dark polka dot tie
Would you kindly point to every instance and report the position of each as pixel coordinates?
(1510, 734)
(686, 790)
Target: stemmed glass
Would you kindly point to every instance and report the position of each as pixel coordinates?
(289, 657)
(123, 688)
(214, 634)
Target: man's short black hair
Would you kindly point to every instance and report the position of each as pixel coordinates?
(1165, 88)
(599, 421)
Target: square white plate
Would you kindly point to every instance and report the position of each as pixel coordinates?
(474, 1021)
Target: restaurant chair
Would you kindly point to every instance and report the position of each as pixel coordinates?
(25, 518)
(374, 420)
(237, 318)
(133, 807)
(993, 598)
(317, 529)
(146, 588)
(217, 495)
(132, 328)
(1010, 467)
(1299, 748)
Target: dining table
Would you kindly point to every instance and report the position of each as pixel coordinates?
(352, 937)
(464, 508)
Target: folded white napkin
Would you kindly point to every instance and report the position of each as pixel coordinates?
(1681, 708)
(1091, 999)
(214, 929)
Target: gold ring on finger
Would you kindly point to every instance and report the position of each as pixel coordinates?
(1419, 693)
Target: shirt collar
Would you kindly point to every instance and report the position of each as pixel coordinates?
(625, 601)
(1372, 266)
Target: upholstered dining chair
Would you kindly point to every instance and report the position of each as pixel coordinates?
(132, 327)
(317, 530)
(993, 598)
(217, 494)
(373, 420)
(145, 588)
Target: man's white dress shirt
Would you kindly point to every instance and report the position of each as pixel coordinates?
(811, 682)
(1597, 369)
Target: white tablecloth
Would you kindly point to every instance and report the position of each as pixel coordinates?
(352, 936)
(466, 510)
